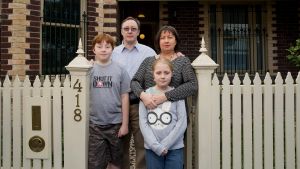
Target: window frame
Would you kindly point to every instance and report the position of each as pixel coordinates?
(252, 58)
(82, 32)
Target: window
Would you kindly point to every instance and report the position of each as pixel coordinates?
(237, 38)
(61, 29)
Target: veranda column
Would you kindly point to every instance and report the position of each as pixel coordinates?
(76, 115)
(204, 67)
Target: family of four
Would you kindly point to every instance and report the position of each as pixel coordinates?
(136, 92)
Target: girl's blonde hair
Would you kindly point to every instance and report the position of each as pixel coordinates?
(163, 61)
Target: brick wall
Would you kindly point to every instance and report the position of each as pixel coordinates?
(287, 31)
(20, 37)
(95, 20)
(185, 18)
(101, 19)
(5, 34)
(33, 37)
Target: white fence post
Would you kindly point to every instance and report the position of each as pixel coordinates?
(204, 67)
(76, 115)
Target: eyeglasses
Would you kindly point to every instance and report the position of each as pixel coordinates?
(165, 118)
(127, 29)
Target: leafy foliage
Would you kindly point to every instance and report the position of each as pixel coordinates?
(294, 53)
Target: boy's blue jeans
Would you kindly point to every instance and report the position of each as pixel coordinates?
(173, 160)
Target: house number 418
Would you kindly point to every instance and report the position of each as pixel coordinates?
(77, 111)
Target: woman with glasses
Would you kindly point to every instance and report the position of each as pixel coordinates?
(163, 127)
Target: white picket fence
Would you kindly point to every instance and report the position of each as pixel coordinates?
(45, 125)
(15, 97)
(243, 124)
(246, 124)
(254, 123)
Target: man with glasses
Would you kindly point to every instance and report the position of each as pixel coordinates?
(131, 54)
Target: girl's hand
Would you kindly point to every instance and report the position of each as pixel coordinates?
(159, 98)
(165, 152)
(148, 100)
(123, 130)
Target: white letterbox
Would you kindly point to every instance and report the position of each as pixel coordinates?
(37, 127)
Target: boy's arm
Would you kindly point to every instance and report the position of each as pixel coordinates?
(125, 114)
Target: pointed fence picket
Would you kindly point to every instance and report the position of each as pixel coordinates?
(260, 122)
(257, 122)
(13, 95)
(268, 122)
(247, 122)
(6, 123)
(17, 121)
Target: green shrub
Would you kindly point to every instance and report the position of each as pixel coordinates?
(294, 53)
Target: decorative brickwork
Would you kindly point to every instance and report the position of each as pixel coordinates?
(110, 20)
(101, 19)
(20, 30)
(95, 23)
(287, 31)
(33, 37)
(5, 34)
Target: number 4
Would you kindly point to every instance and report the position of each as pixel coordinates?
(77, 85)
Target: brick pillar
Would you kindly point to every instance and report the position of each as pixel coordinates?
(95, 22)
(110, 17)
(5, 34)
(20, 37)
(33, 37)
(102, 16)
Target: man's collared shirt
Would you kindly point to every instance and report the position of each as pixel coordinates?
(132, 59)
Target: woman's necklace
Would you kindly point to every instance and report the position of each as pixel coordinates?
(169, 57)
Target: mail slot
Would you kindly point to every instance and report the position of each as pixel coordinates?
(37, 124)
(36, 117)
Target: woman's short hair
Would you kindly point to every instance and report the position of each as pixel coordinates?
(103, 37)
(163, 29)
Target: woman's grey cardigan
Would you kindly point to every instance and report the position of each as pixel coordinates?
(183, 80)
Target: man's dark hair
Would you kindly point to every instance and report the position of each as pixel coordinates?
(134, 19)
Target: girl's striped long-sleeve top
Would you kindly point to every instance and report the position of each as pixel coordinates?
(183, 80)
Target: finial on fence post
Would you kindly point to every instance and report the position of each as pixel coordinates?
(80, 51)
(204, 67)
(80, 61)
(202, 49)
(203, 61)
